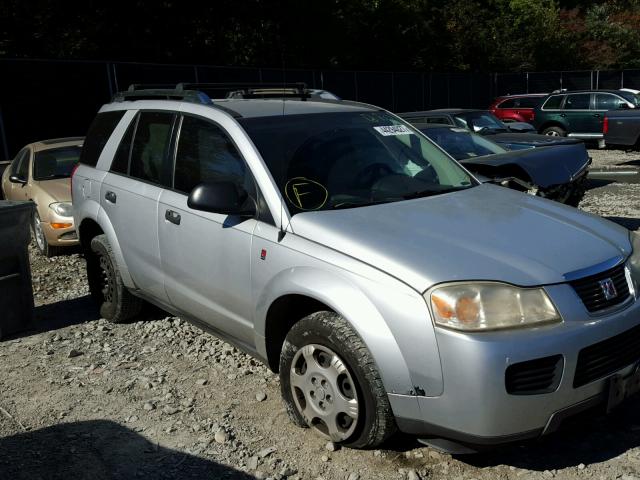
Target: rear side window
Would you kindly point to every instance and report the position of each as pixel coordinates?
(205, 154)
(578, 101)
(150, 149)
(99, 132)
(510, 103)
(528, 102)
(553, 102)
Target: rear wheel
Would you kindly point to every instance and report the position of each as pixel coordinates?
(554, 132)
(116, 303)
(330, 383)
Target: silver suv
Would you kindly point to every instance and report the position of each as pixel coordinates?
(341, 247)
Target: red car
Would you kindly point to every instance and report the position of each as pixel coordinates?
(516, 108)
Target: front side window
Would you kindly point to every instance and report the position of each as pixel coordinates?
(55, 163)
(150, 149)
(578, 101)
(205, 154)
(605, 101)
(326, 161)
(15, 164)
(553, 102)
(22, 169)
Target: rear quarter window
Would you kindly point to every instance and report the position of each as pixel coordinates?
(99, 132)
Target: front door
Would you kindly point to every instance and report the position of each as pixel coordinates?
(130, 193)
(206, 257)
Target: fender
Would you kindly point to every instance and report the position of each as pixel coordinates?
(341, 294)
(92, 210)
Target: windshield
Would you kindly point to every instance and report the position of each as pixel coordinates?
(461, 144)
(326, 161)
(480, 121)
(55, 162)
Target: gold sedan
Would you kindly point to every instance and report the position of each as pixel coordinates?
(41, 172)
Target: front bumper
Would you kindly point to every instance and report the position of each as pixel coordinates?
(60, 237)
(475, 407)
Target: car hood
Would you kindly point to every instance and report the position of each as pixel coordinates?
(58, 189)
(531, 139)
(546, 166)
(483, 233)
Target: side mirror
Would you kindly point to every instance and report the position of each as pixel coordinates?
(225, 198)
(17, 179)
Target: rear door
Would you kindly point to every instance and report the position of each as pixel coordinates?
(130, 191)
(206, 257)
(578, 113)
(605, 102)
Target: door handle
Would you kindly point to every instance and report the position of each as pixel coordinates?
(596, 115)
(110, 197)
(563, 115)
(173, 217)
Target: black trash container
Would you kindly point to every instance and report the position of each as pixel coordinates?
(16, 292)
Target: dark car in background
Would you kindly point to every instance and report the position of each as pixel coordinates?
(485, 123)
(557, 172)
(621, 128)
(516, 108)
(3, 167)
(580, 114)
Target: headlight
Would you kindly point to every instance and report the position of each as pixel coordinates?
(490, 306)
(634, 264)
(63, 209)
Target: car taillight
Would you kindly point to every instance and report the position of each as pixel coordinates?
(533, 115)
(605, 125)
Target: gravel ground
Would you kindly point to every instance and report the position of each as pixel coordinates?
(157, 398)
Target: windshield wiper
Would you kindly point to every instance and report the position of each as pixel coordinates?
(433, 191)
(350, 204)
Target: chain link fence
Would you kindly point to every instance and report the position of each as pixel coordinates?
(42, 99)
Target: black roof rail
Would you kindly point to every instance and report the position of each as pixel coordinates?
(156, 92)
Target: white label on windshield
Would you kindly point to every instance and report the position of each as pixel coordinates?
(388, 130)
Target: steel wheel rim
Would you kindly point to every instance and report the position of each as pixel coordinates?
(106, 275)
(553, 133)
(39, 233)
(324, 392)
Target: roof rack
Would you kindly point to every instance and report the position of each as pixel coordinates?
(195, 92)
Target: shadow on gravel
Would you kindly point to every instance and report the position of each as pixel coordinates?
(63, 314)
(627, 222)
(586, 438)
(598, 182)
(97, 450)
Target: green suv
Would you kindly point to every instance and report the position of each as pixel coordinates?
(580, 113)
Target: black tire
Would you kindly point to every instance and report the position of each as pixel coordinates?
(116, 303)
(43, 246)
(376, 423)
(577, 191)
(555, 131)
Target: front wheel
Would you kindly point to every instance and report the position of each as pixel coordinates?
(41, 240)
(330, 383)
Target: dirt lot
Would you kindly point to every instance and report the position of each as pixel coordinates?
(157, 398)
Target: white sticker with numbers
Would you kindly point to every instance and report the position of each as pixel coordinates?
(389, 130)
